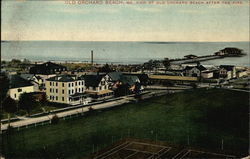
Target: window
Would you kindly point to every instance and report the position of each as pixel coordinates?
(62, 98)
(76, 83)
(56, 98)
(79, 83)
(69, 91)
(79, 89)
(50, 83)
(63, 84)
(56, 90)
(72, 84)
(76, 90)
(15, 95)
(82, 83)
(50, 90)
(56, 84)
(82, 89)
(72, 91)
(63, 91)
(19, 90)
(100, 88)
(69, 84)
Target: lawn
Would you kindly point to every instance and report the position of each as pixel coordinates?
(202, 118)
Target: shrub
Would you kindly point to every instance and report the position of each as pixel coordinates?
(55, 119)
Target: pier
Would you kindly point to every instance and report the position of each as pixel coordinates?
(227, 52)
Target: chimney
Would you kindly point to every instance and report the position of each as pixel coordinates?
(92, 57)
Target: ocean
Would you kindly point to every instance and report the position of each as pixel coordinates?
(118, 52)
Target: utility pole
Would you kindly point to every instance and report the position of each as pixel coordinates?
(92, 57)
(222, 144)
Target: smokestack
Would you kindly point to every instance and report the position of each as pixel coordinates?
(92, 57)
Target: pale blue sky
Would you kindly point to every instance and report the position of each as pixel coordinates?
(55, 20)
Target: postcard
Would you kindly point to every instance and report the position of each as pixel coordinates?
(123, 79)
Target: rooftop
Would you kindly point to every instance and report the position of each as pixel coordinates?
(64, 78)
(92, 80)
(16, 81)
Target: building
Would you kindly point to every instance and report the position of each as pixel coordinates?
(131, 81)
(207, 74)
(143, 78)
(47, 68)
(97, 85)
(67, 89)
(241, 73)
(227, 71)
(36, 80)
(191, 56)
(231, 51)
(18, 86)
(219, 53)
(114, 79)
(194, 71)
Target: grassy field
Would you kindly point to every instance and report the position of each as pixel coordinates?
(201, 118)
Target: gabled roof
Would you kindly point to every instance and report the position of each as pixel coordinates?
(47, 68)
(142, 76)
(27, 76)
(16, 81)
(129, 79)
(199, 67)
(115, 76)
(190, 56)
(227, 67)
(92, 80)
(231, 49)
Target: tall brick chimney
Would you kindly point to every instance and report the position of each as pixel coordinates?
(92, 57)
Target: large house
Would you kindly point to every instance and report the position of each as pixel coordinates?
(47, 68)
(18, 86)
(194, 71)
(36, 80)
(97, 85)
(46, 71)
(67, 89)
(227, 71)
(118, 78)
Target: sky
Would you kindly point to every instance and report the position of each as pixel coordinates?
(55, 20)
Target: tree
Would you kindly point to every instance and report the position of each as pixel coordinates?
(137, 90)
(4, 86)
(10, 106)
(166, 63)
(106, 68)
(44, 100)
(15, 63)
(27, 102)
(55, 119)
(122, 90)
(26, 61)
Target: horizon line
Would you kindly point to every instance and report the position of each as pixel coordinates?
(111, 41)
